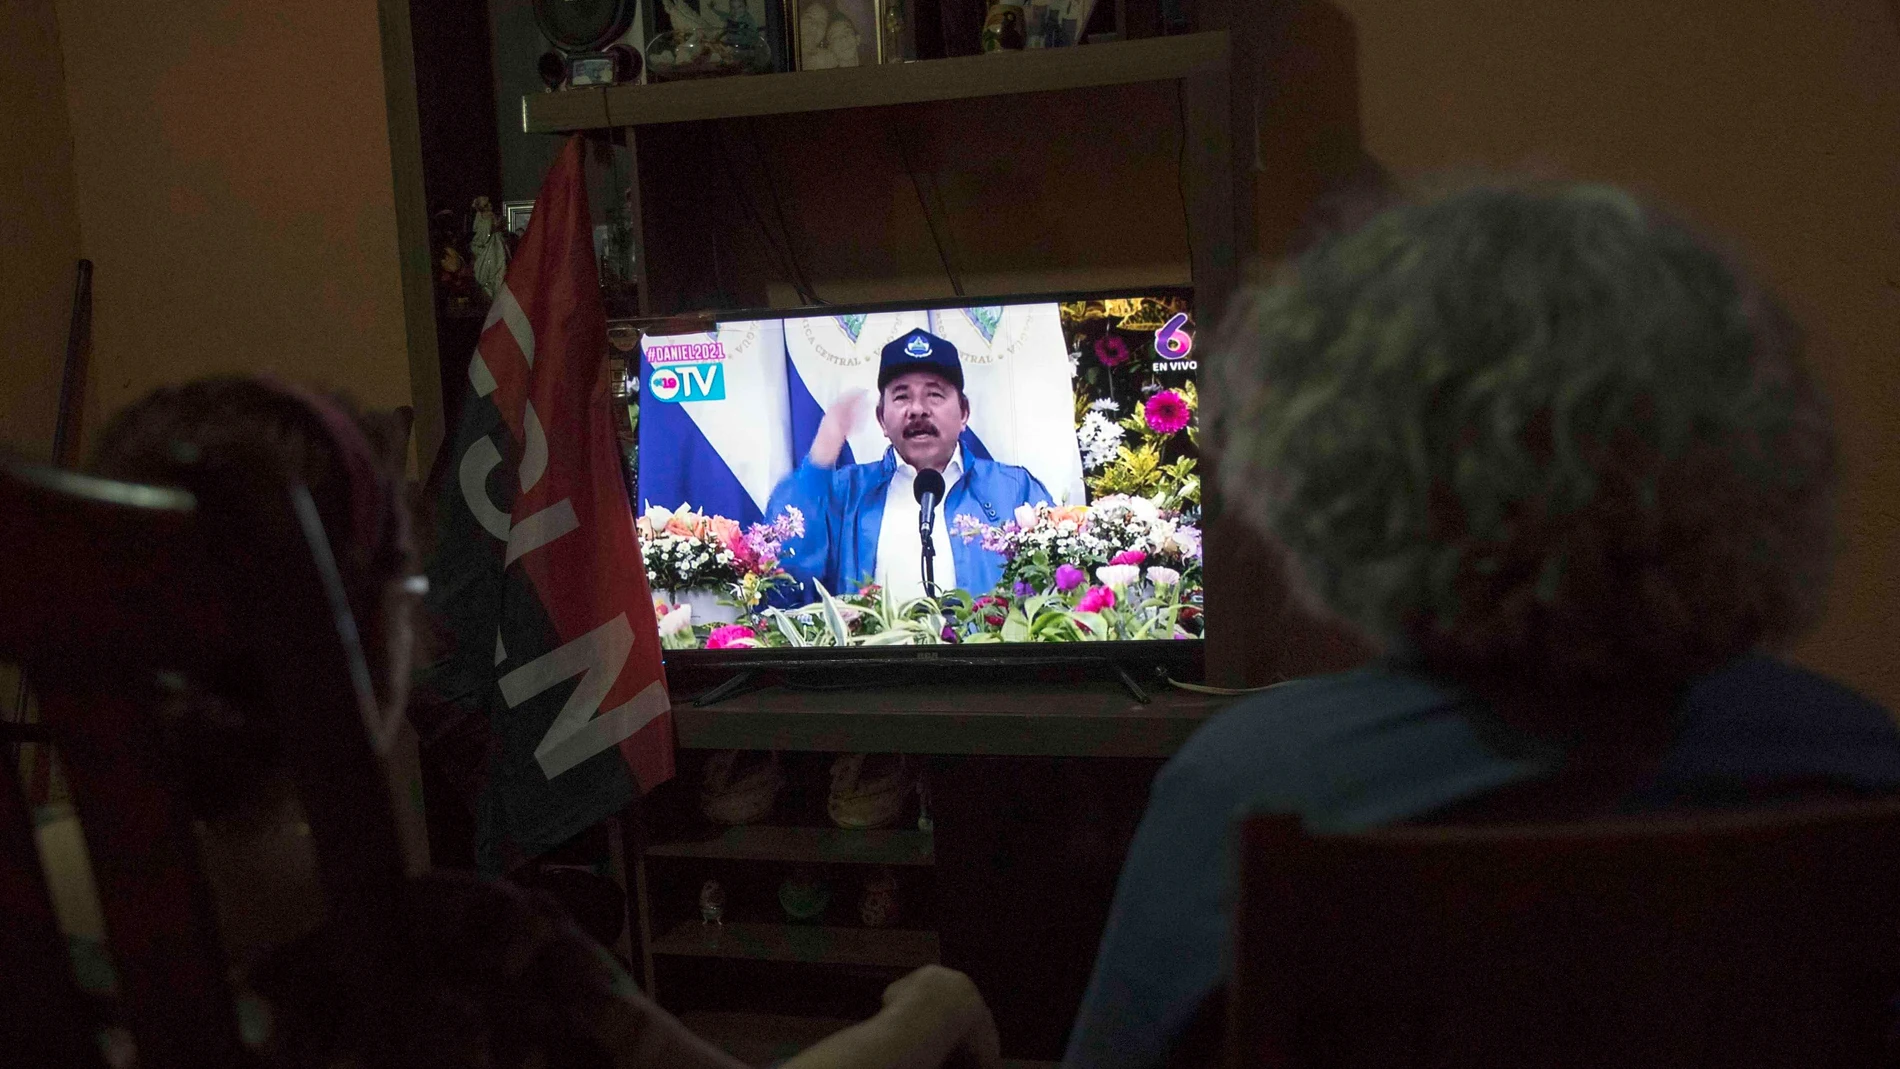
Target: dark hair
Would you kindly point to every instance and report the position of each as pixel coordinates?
(1540, 434)
(488, 976)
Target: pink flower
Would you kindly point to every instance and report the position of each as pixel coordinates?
(1129, 556)
(1068, 577)
(1095, 599)
(1111, 350)
(729, 636)
(1166, 412)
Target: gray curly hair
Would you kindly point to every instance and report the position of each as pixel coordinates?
(1535, 433)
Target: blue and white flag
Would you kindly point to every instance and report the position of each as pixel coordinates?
(715, 419)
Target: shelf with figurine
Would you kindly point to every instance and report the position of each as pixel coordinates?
(999, 73)
(877, 806)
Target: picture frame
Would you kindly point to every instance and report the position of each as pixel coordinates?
(514, 215)
(828, 34)
(1056, 23)
(596, 68)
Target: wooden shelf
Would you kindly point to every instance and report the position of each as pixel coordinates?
(1016, 720)
(958, 78)
(763, 1038)
(893, 948)
(894, 846)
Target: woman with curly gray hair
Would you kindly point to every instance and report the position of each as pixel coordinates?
(1561, 462)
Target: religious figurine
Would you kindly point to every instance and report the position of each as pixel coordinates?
(489, 247)
(1003, 30)
(879, 906)
(712, 903)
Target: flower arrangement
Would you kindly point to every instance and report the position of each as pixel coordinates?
(687, 550)
(1156, 465)
(1057, 547)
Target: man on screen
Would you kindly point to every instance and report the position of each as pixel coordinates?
(861, 520)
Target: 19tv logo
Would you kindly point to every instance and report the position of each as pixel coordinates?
(678, 383)
(1172, 341)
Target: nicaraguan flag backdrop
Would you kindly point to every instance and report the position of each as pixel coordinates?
(1021, 387)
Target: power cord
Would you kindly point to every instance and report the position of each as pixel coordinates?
(809, 295)
(1180, 172)
(930, 219)
(1223, 692)
(780, 256)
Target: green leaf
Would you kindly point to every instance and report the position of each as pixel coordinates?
(895, 637)
(834, 620)
(787, 628)
(1016, 627)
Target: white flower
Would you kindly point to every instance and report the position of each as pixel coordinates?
(1106, 404)
(1026, 516)
(1145, 510)
(1163, 577)
(1099, 439)
(676, 622)
(1066, 527)
(1117, 577)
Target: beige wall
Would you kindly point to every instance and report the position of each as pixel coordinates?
(234, 190)
(1773, 122)
(39, 227)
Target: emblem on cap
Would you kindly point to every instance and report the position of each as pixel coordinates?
(918, 347)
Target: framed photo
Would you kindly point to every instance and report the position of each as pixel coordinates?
(1057, 23)
(827, 34)
(594, 69)
(514, 215)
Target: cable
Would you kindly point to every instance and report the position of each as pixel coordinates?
(1180, 173)
(780, 256)
(1225, 692)
(778, 206)
(930, 220)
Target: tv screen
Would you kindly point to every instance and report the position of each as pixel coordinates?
(1022, 471)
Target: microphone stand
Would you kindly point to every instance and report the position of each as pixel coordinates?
(927, 528)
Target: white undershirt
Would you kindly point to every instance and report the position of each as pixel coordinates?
(900, 547)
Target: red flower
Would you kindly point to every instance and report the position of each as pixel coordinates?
(1095, 599)
(998, 609)
(1129, 556)
(1166, 413)
(1111, 350)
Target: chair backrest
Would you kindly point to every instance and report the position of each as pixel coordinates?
(111, 593)
(1733, 940)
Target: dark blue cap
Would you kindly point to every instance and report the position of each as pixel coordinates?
(920, 350)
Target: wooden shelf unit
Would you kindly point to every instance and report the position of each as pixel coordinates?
(889, 948)
(921, 82)
(832, 846)
(1024, 719)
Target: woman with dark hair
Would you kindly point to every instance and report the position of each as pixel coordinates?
(495, 977)
(1561, 463)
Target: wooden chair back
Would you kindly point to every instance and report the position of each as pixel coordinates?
(1720, 940)
(110, 594)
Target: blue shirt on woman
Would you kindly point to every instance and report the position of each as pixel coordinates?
(1381, 746)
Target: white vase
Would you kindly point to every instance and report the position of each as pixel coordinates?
(707, 606)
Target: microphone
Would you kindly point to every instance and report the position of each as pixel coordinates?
(929, 490)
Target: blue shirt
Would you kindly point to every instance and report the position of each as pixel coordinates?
(1379, 746)
(844, 514)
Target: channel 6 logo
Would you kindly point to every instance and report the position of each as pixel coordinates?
(676, 383)
(1172, 341)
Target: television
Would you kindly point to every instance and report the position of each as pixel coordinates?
(782, 487)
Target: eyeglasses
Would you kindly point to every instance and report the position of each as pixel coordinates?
(417, 585)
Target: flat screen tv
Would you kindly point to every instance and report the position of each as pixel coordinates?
(791, 470)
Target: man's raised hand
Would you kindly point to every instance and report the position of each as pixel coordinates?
(840, 419)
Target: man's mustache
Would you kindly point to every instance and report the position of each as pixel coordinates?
(920, 430)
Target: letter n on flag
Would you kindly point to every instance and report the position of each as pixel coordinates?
(537, 570)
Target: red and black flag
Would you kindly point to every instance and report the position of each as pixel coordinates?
(537, 570)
